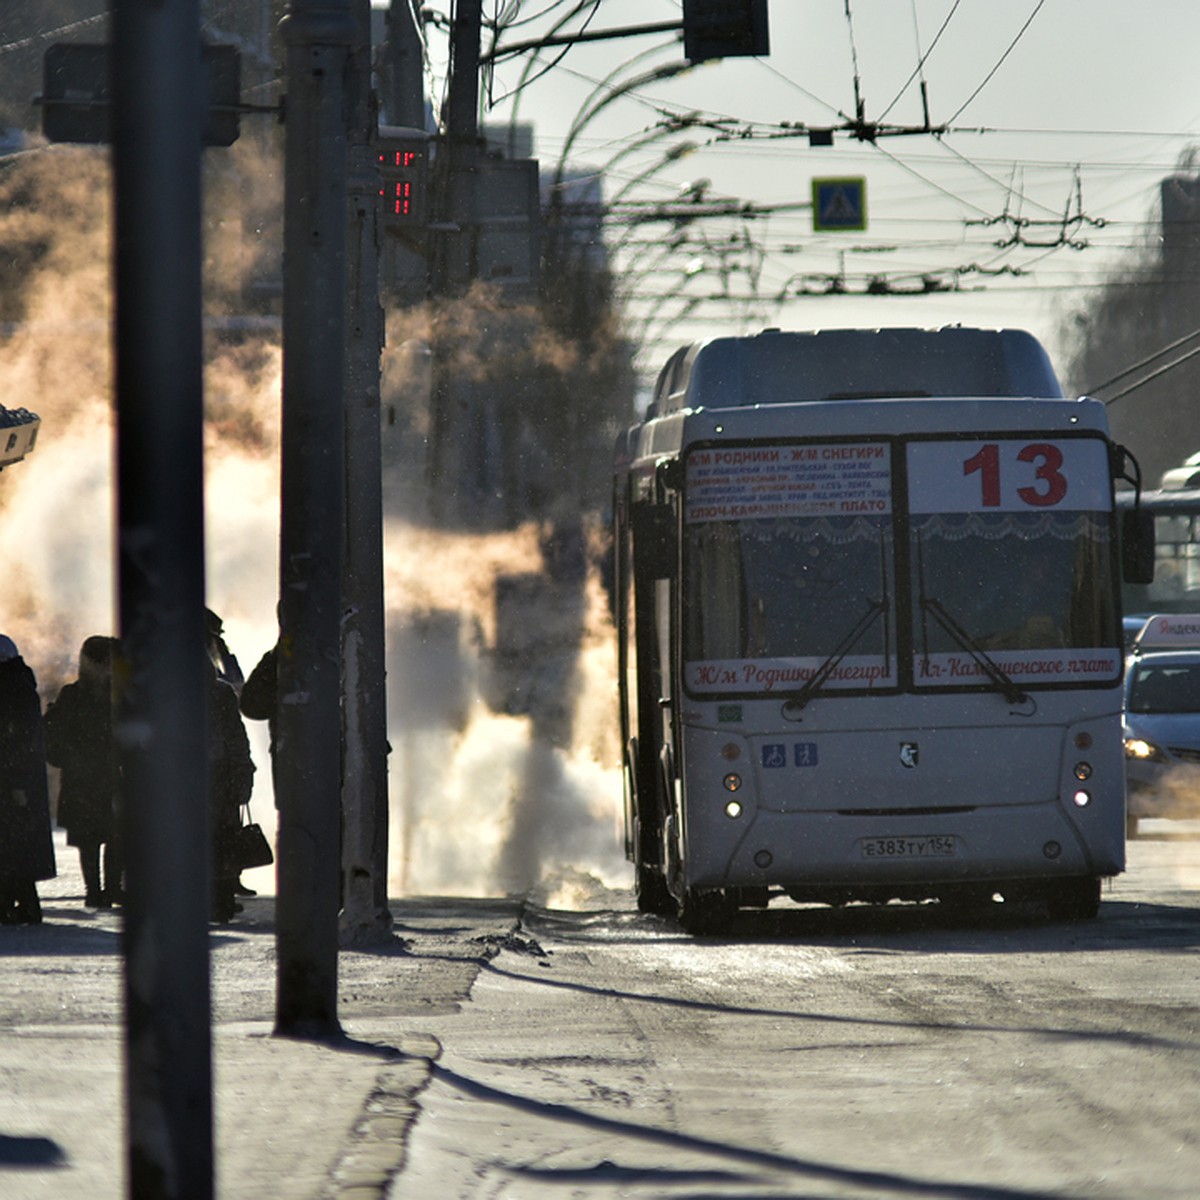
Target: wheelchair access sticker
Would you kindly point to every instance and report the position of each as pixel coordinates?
(775, 755)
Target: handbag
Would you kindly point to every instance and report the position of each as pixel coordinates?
(250, 845)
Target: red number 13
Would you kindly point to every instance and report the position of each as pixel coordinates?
(1052, 483)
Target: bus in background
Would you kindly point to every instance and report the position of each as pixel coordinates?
(868, 607)
(1175, 587)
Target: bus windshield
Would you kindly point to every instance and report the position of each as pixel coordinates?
(789, 560)
(793, 583)
(1014, 581)
(777, 596)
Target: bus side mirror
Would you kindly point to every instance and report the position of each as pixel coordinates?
(1137, 546)
(668, 474)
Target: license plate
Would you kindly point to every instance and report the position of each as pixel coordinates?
(934, 846)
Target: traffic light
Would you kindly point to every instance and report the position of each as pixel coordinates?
(724, 29)
(77, 103)
(403, 178)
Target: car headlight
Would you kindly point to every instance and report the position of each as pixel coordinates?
(1139, 748)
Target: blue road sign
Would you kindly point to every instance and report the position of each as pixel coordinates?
(839, 204)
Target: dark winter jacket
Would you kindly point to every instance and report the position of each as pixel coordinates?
(230, 767)
(26, 846)
(79, 739)
(230, 781)
(258, 696)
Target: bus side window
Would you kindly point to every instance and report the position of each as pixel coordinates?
(1137, 546)
(654, 540)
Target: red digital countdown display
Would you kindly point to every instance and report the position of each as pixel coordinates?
(403, 181)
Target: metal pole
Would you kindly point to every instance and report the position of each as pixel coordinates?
(406, 94)
(462, 143)
(161, 685)
(453, 265)
(318, 35)
(365, 917)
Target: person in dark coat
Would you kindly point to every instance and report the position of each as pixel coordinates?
(26, 842)
(228, 669)
(258, 700)
(258, 693)
(79, 740)
(231, 780)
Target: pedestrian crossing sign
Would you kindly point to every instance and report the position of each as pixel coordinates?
(839, 204)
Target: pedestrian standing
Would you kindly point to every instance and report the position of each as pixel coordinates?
(26, 842)
(79, 740)
(230, 779)
(228, 669)
(258, 698)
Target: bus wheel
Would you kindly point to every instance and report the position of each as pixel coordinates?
(653, 896)
(1073, 899)
(705, 912)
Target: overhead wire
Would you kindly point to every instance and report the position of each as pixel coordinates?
(1058, 217)
(527, 79)
(858, 100)
(990, 178)
(988, 78)
(1163, 370)
(922, 59)
(516, 21)
(1145, 362)
(937, 187)
(749, 137)
(919, 71)
(770, 69)
(70, 27)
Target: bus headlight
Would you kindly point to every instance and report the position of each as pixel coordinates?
(732, 781)
(733, 810)
(1083, 771)
(1082, 799)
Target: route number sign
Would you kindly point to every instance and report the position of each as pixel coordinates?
(1008, 475)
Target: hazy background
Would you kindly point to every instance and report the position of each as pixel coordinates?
(1038, 206)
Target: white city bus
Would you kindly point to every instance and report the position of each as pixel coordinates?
(868, 604)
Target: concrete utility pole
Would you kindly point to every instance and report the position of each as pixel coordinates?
(318, 35)
(365, 917)
(453, 265)
(406, 72)
(161, 690)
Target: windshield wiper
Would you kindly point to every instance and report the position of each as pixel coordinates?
(988, 665)
(816, 681)
(983, 660)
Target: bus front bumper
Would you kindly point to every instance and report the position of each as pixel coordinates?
(795, 851)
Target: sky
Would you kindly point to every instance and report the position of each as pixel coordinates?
(1063, 117)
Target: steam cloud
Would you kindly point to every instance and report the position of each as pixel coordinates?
(488, 795)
